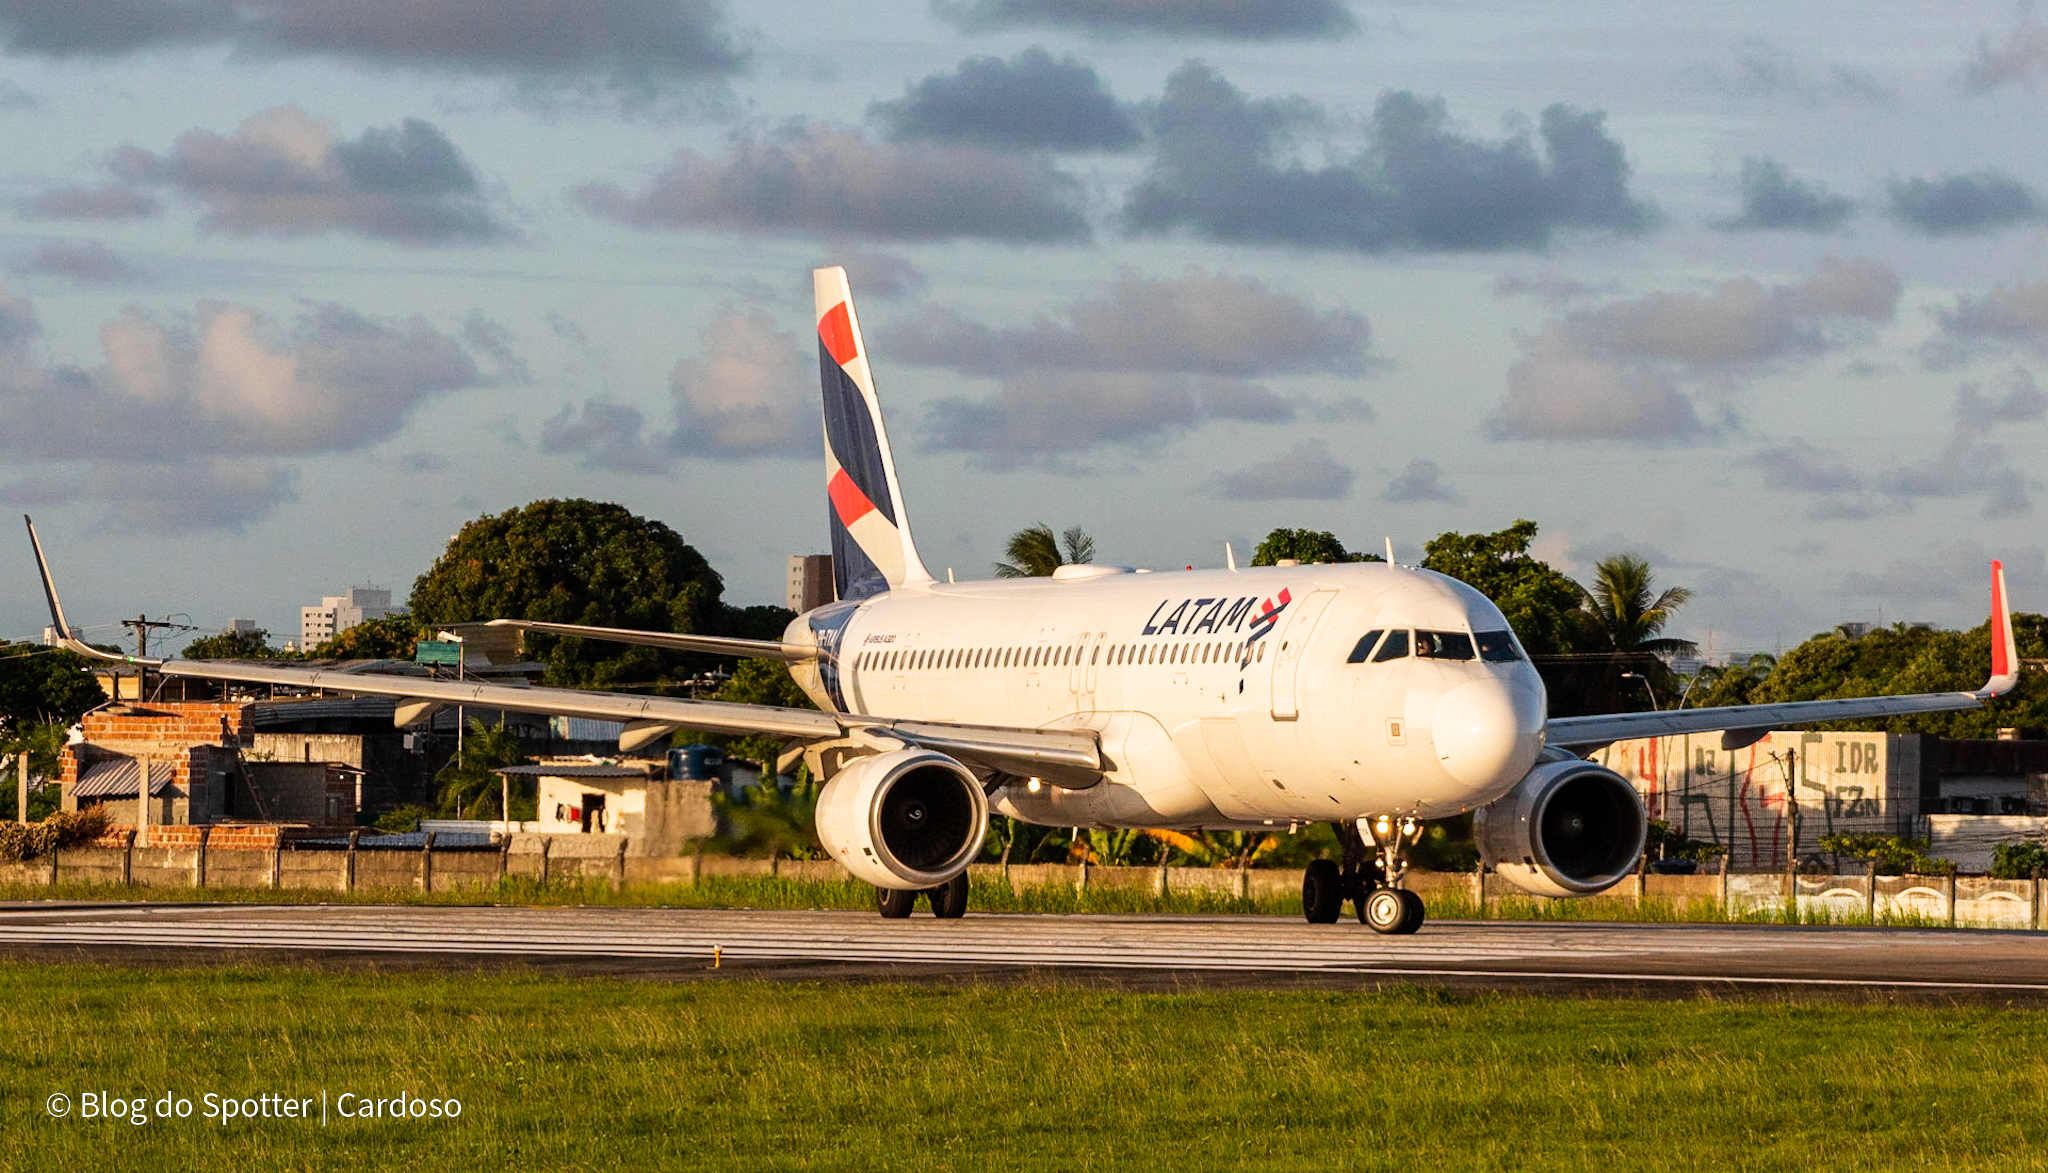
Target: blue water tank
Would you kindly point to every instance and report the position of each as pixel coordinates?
(696, 763)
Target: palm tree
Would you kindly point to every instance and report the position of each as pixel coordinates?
(1035, 553)
(1627, 613)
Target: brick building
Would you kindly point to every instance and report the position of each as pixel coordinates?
(197, 770)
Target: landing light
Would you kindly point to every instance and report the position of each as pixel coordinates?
(1034, 786)
(1383, 826)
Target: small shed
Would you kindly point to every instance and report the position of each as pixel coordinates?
(632, 798)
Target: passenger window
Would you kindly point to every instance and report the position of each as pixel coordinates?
(1366, 642)
(1443, 645)
(1497, 647)
(1395, 647)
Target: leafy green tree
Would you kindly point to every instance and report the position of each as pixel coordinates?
(2019, 859)
(1306, 546)
(394, 637)
(1034, 552)
(1734, 683)
(768, 820)
(1539, 601)
(231, 645)
(1894, 856)
(469, 783)
(754, 682)
(574, 561)
(43, 741)
(45, 684)
(1626, 612)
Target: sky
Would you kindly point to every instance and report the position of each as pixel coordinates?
(290, 291)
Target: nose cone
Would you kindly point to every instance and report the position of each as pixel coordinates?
(1488, 732)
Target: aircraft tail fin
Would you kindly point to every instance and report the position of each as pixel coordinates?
(872, 550)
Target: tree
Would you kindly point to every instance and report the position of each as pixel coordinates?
(584, 562)
(231, 645)
(394, 637)
(1033, 552)
(755, 682)
(1538, 600)
(40, 684)
(1626, 612)
(1734, 683)
(470, 786)
(1306, 546)
(43, 741)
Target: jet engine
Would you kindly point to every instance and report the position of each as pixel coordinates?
(1568, 828)
(907, 819)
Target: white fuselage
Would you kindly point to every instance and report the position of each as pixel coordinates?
(1223, 698)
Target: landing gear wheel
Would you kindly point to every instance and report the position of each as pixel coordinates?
(949, 900)
(895, 903)
(1322, 892)
(1392, 911)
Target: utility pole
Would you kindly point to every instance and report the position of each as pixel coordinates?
(21, 788)
(141, 625)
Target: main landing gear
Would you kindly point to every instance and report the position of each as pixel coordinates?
(1368, 877)
(948, 900)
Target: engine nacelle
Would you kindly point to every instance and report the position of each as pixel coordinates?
(910, 818)
(1568, 828)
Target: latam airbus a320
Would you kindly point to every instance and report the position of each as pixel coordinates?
(1369, 695)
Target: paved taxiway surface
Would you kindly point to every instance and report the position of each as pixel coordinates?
(1146, 951)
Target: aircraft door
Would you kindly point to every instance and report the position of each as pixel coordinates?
(1081, 675)
(1293, 640)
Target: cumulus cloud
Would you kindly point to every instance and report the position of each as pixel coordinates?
(1306, 472)
(1234, 20)
(1422, 480)
(1221, 170)
(833, 181)
(2009, 315)
(634, 50)
(1205, 323)
(1041, 415)
(1030, 102)
(1768, 73)
(749, 395)
(2017, 59)
(874, 275)
(1958, 571)
(1547, 287)
(88, 203)
(87, 262)
(1972, 462)
(1613, 372)
(212, 404)
(1772, 199)
(1955, 205)
(283, 173)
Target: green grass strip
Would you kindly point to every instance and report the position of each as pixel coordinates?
(599, 1074)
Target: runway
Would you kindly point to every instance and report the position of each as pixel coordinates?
(1132, 951)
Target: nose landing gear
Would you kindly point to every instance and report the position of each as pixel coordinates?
(1375, 851)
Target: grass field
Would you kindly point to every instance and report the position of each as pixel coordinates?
(561, 1073)
(989, 895)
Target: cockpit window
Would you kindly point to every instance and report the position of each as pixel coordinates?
(1365, 646)
(1443, 645)
(1394, 648)
(1497, 647)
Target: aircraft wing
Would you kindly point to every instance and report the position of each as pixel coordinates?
(1742, 725)
(1065, 756)
(717, 645)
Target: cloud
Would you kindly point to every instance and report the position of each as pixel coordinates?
(1970, 463)
(1769, 73)
(1202, 323)
(1043, 415)
(1306, 472)
(88, 203)
(1612, 372)
(633, 50)
(749, 395)
(1772, 199)
(199, 414)
(832, 181)
(1422, 480)
(283, 173)
(1030, 102)
(1954, 205)
(87, 262)
(1958, 571)
(2016, 60)
(1234, 20)
(1221, 171)
(2007, 315)
(171, 496)
(874, 275)
(1548, 287)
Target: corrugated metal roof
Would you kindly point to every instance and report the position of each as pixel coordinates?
(116, 779)
(544, 770)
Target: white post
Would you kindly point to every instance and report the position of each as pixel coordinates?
(142, 803)
(21, 787)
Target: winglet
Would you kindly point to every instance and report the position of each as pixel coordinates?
(65, 638)
(2005, 655)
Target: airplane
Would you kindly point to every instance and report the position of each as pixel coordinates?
(1373, 696)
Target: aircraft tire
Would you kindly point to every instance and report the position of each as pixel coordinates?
(1415, 912)
(1392, 911)
(1322, 892)
(895, 903)
(949, 900)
